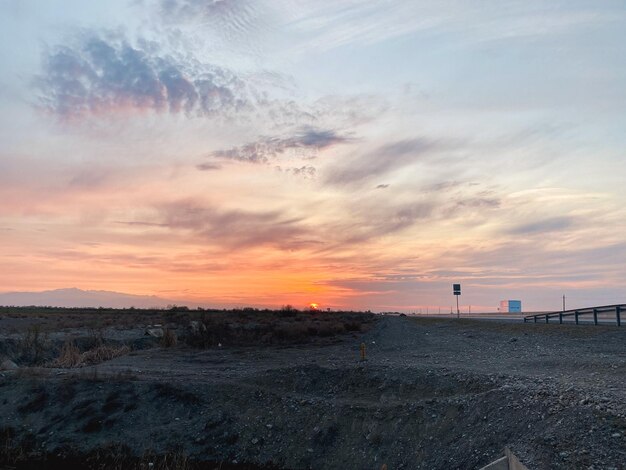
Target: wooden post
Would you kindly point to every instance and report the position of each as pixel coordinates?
(547, 318)
(535, 318)
(576, 316)
(617, 315)
(595, 316)
(560, 318)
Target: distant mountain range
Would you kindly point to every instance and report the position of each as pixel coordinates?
(87, 298)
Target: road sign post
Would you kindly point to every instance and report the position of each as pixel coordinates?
(456, 289)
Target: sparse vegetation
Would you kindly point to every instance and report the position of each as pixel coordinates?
(33, 345)
(103, 353)
(287, 325)
(70, 355)
(169, 339)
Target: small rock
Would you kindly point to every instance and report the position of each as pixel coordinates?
(616, 434)
(154, 332)
(255, 441)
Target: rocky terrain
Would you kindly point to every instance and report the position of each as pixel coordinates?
(431, 394)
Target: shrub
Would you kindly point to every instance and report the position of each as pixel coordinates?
(103, 353)
(33, 345)
(69, 355)
(169, 339)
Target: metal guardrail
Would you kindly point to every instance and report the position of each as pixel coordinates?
(577, 313)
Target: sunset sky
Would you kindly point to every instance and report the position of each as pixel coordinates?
(356, 154)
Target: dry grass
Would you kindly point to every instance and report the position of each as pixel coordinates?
(169, 339)
(70, 356)
(288, 326)
(33, 344)
(103, 353)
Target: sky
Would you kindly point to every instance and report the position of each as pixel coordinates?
(355, 154)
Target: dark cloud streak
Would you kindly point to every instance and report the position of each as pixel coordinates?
(306, 141)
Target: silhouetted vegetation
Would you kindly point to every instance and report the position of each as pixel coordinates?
(245, 327)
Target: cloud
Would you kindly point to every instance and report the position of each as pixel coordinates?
(234, 16)
(552, 224)
(304, 143)
(372, 220)
(306, 171)
(382, 186)
(235, 228)
(381, 161)
(327, 24)
(208, 167)
(102, 74)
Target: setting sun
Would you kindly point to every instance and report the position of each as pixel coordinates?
(314, 306)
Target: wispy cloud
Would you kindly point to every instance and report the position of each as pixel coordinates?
(208, 166)
(327, 24)
(380, 162)
(304, 143)
(233, 17)
(237, 229)
(105, 73)
(552, 224)
(307, 171)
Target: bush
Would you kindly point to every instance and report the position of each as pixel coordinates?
(33, 345)
(69, 355)
(169, 339)
(286, 326)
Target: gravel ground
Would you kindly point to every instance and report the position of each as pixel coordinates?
(432, 394)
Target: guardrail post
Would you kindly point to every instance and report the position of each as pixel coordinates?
(535, 318)
(618, 310)
(547, 318)
(560, 318)
(595, 316)
(576, 316)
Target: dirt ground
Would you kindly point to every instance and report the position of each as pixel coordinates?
(431, 394)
